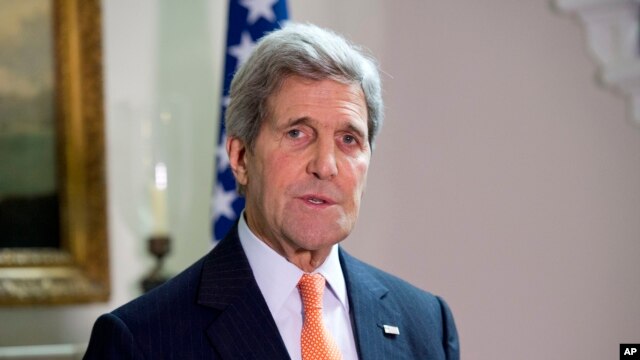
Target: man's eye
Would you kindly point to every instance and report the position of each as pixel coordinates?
(294, 134)
(348, 139)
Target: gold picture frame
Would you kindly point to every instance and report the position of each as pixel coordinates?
(78, 271)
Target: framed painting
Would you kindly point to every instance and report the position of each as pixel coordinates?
(53, 237)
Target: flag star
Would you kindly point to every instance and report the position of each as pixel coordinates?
(223, 157)
(243, 50)
(258, 9)
(225, 101)
(222, 201)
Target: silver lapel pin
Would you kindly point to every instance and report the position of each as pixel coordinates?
(391, 330)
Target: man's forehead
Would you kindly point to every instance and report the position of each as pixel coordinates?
(298, 92)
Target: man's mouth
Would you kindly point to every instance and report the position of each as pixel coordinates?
(317, 200)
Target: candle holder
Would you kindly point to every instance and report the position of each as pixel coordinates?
(158, 246)
(159, 242)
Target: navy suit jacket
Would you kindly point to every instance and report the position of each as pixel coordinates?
(215, 310)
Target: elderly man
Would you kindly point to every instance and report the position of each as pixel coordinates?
(304, 113)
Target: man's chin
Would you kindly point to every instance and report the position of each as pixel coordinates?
(317, 236)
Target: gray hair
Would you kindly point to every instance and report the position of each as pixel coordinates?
(304, 50)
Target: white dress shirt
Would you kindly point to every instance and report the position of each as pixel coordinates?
(277, 279)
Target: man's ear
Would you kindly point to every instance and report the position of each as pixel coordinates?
(237, 151)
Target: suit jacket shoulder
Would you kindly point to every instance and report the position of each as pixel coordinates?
(212, 310)
(150, 326)
(377, 298)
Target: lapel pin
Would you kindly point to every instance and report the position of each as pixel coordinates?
(391, 330)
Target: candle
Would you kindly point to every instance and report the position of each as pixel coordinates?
(159, 200)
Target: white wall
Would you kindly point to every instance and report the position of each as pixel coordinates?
(504, 179)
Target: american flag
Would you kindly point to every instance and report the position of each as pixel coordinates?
(248, 21)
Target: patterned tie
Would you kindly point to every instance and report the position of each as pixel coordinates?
(316, 341)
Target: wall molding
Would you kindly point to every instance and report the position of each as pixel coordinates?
(43, 352)
(612, 28)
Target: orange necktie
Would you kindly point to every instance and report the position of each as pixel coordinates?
(316, 341)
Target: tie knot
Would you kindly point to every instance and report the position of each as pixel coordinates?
(311, 288)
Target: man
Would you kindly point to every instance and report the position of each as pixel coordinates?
(304, 113)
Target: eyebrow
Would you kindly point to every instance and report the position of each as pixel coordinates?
(305, 120)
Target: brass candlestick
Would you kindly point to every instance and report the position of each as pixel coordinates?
(159, 246)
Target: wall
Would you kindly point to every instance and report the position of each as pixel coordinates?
(505, 178)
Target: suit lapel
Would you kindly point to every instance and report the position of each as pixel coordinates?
(370, 312)
(244, 328)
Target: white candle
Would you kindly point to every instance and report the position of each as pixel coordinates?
(159, 200)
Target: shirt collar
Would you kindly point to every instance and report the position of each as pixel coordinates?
(277, 277)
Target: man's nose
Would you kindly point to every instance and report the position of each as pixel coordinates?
(323, 163)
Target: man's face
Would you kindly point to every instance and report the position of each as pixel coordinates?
(306, 174)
